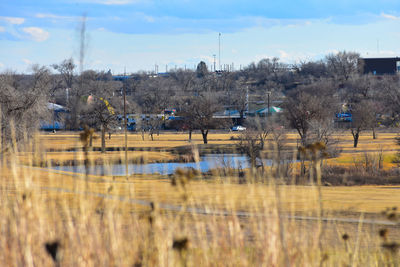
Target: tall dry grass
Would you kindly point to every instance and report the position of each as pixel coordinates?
(62, 219)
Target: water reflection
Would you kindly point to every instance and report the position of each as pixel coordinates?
(205, 164)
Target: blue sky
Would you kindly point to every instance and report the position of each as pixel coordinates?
(137, 34)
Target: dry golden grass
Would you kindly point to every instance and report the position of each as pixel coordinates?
(69, 140)
(356, 199)
(164, 140)
(110, 221)
(62, 158)
(93, 229)
(361, 200)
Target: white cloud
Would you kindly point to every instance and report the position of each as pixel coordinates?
(388, 16)
(1, 65)
(27, 61)
(260, 57)
(284, 55)
(52, 16)
(2, 29)
(295, 56)
(36, 34)
(207, 59)
(13, 20)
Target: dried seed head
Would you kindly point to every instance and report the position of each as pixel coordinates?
(153, 206)
(52, 249)
(325, 154)
(179, 172)
(309, 147)
(391, 216)
(181, 244)
(345, 237)
(151, 219)
(320, 145)
(100, 211)
(391, 246)
(383, 232)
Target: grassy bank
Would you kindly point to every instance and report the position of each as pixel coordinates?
(58, 218)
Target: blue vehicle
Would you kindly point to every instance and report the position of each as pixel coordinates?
(130, 122)
(344, 116)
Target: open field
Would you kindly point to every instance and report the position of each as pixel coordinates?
(149, 221)
(64, 140)
(62, 144)
(368, 199)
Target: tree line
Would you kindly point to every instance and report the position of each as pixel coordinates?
(310, 94)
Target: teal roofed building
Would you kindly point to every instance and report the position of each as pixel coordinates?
(263, 112)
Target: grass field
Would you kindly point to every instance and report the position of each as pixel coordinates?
(62, 144)
(146, 220)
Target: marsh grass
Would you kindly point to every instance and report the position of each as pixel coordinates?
(62, 219)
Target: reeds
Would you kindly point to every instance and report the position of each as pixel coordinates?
(65, 219)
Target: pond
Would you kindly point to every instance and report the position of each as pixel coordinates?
(205, 164)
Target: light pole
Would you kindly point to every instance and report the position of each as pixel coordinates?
(219, 50)
(214, 64)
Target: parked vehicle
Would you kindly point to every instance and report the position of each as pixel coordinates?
(238, 128)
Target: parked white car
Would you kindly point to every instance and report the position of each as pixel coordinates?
(238, 128)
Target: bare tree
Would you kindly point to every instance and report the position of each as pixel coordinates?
(66, 69)
(184, 79)
(23, 102)
(201, 70)
(251, 143)
(310, 106)
(366, 89)
(362, 118)
(102, 106)
(344, 64)
(187, 115)
(390, 94)
(316, 69)
(202, 109)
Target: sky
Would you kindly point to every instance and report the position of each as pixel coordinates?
(137, 35)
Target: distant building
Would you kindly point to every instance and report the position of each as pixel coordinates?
(56, 122)
(381, 66)
(121, 78)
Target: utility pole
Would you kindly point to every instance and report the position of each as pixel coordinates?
(214, 63)
(247, 99)
(219, 50)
